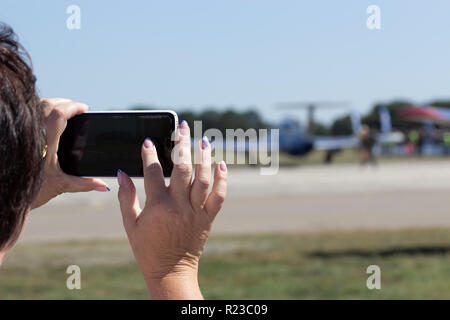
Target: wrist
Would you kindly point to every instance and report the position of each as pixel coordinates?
(157, 268)
(180, 285)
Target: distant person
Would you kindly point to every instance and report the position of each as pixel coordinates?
(446, 142)
(366, 144)
(421, 141)
(413, 139)
(167, 236)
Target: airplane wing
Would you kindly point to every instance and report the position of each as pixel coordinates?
(391, 138)
(346, 142)
(334, 143)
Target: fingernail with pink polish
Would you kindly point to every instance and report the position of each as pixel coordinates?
(103, 189)
(148, 143)
(184, 128)
(205, 142)
(223, 166)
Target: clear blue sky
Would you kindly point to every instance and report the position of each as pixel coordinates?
(189, 54)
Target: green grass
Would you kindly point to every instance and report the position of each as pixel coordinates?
(414, 264)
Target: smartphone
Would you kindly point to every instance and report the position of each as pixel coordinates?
(97, 144)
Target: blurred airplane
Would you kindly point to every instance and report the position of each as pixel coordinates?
(295, 140)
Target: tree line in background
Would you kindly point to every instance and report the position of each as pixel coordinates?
(232, 119)
(342, 125)
(222, 120)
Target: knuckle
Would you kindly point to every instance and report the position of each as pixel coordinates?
(58, 113)
(222, 176)
(203, 182)
(46, 102)
(153, 168)
(158, 204)
(220, 196)
(184, 169)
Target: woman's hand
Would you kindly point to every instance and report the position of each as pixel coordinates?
(169, 234)
(56, 112)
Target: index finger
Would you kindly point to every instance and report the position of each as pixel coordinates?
(57, 115)
(70, 109)
(153, 175)
(49, 104)
(180, 180)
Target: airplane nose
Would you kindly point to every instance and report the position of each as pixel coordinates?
(302, 148)
(308, 147)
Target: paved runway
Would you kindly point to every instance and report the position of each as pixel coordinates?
(313, 198)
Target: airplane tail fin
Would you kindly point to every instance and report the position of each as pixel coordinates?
(385, 120)
(355, 117)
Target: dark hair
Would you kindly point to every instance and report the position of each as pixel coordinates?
(22, 137)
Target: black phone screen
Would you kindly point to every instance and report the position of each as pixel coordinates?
(98, 144)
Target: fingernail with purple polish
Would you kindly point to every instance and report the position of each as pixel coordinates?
(148, 143)
(119, 176)
(223, 166)
(102, 189)
(184, 128)
(205, 142)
